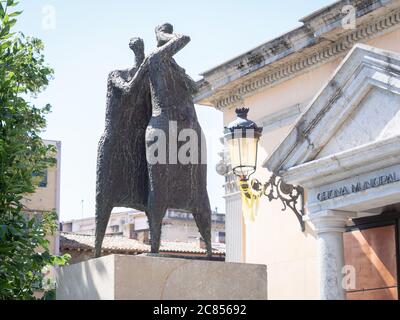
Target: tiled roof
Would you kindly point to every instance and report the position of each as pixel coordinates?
(119, 244)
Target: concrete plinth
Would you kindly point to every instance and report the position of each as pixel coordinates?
(139, 277)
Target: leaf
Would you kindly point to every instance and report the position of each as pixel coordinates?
(4, 31)
(49, 295)
(1, 11)
(3, 231)
(12, 22)
(44, 243)
(57, 260)
(15, 13)
(14, 232)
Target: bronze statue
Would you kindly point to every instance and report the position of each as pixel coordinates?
(148, 99)
(121, 159)
(174, 185)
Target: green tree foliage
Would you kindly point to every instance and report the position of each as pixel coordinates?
(24, 249)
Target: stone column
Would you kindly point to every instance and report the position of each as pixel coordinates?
(234, 226)
(329, 226)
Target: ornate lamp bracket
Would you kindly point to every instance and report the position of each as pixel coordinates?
(291, 196)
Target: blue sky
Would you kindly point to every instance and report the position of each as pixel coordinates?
(85, 40)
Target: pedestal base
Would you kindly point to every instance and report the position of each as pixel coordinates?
(142, 277)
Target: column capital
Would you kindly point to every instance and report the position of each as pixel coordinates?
(330, 220)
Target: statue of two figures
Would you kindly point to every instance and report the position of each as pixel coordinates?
(150, 117)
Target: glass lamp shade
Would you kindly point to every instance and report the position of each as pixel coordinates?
(243, 153)
(242, 137)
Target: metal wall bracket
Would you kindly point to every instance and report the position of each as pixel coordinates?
(291, 196)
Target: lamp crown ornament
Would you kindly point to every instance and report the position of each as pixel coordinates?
(244, 125)
(242, 112)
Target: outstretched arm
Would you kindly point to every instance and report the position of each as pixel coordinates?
(126, 86)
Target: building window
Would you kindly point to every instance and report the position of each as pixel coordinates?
(221, 236)
(114, 229)
(43, 181)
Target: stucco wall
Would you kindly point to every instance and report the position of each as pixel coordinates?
(47, 198)
(44, 198)
(187, 231)
(275, 238)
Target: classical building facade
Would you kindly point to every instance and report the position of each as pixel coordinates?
(327, 96)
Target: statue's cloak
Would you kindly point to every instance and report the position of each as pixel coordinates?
(122, 177)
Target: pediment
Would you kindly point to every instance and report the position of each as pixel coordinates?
(375, 118)
(357, 108)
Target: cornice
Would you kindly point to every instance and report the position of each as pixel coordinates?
(294, 53)
(280, 118)
(349, 163)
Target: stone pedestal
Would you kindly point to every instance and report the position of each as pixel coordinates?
(117, 277)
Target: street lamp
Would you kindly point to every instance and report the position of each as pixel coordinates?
(242, 136)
